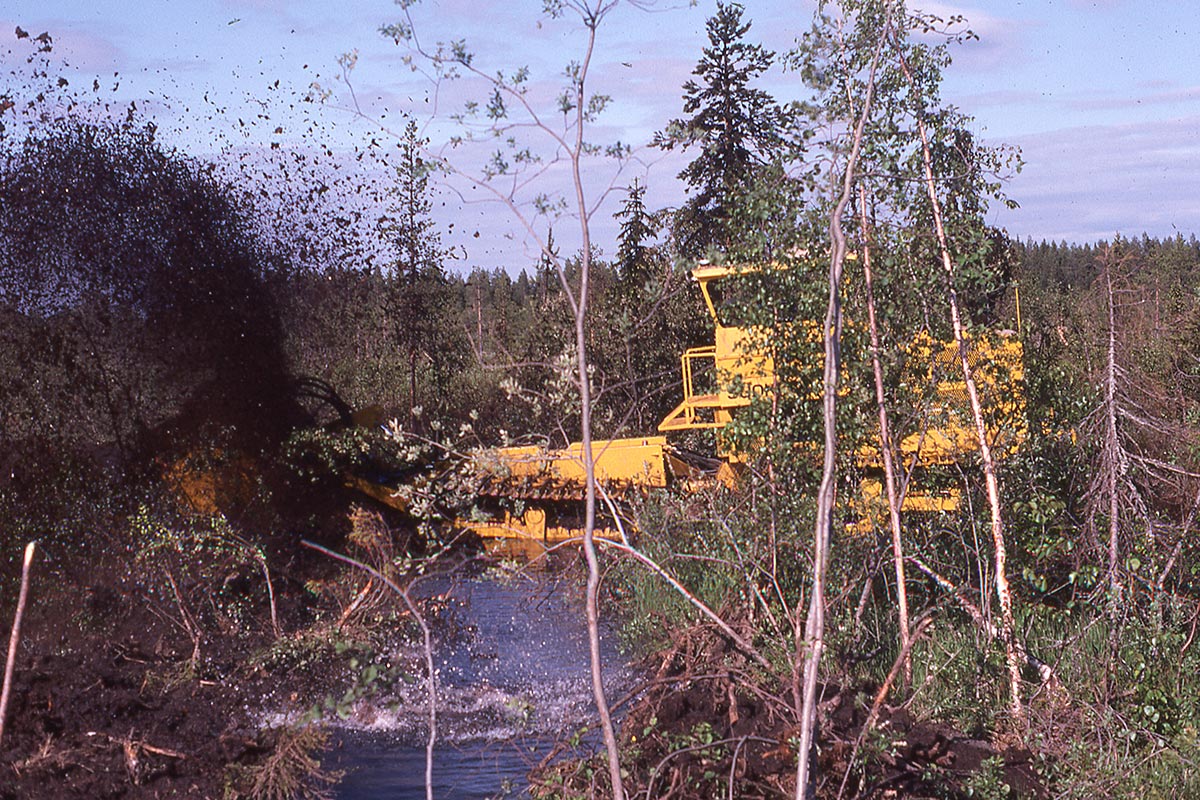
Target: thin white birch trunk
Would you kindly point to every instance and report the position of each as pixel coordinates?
(1003, 591)
(811, 645)
(885, 449)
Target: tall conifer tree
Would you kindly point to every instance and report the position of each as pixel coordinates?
(634, 255)
(736, 127)
(418, 286)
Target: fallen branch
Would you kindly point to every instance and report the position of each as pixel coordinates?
(881, 695)
(262, 562)
(745, 646)
(160, 751)
(1044, 670)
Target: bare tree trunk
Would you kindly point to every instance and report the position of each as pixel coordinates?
(574, 149)
(14, 638)
(580, 309)
(1113, 442)
(885, 447)
(1003, 592)
(412, 388)
(811, 645)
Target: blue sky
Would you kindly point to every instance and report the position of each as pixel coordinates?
(1103, 98)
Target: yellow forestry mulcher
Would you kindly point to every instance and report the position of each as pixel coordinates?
(536, 491)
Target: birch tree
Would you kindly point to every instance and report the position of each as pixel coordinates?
(999, 542)
(811, 644)
(528, 143)
(880, 112)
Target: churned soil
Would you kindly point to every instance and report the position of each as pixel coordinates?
(704, 726)
(108, 703)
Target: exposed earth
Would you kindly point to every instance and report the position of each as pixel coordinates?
(696, 733)
(113, 698)
(107, 702)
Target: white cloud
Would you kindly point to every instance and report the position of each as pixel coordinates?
(1083, 184)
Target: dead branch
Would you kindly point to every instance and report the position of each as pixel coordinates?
(901, 660)
(959, 593)
(427, 637)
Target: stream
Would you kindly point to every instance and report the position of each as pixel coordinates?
(513, 679)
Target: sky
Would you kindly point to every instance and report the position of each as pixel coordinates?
(1102, 98)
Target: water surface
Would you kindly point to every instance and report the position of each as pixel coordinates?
(512, 660)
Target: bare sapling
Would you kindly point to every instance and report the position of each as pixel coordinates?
(14, 638)
(999, 544)
(426, 644)
(886, 451)
(508, 116)
(1112, 441)
(810, 642)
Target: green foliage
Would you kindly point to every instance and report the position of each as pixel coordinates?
(635, 259)
(418, 304)
(644, 320)
(729, 553)
(310, 649)
(987, 783)
(369, 676)
(1137, 738)
(358, 330)
(322, 456)
(51, 496)
(121, 261)
(968, 681)
(701, 743)
(874, 45)
(784, 307)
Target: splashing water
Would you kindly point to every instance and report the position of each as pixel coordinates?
(512, 680)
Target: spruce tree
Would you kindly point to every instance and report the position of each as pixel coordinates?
(409, 228)
(418, 286)
(737, 128)
(634, 255)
